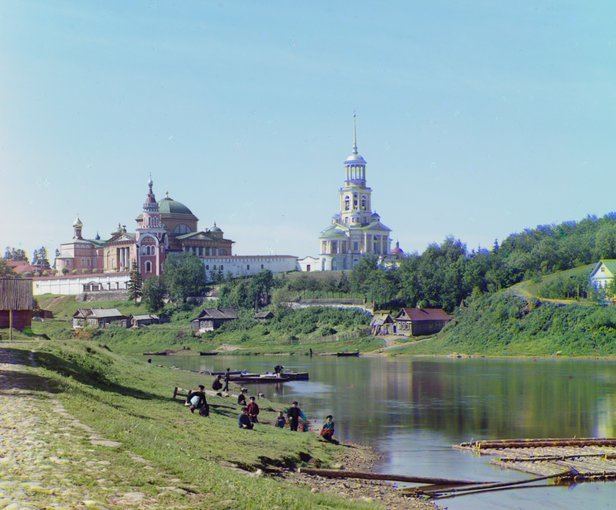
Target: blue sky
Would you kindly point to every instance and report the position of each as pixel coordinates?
(477, 118)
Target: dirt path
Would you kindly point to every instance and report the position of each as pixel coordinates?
(49, 459)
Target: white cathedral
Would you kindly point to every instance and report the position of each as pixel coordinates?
(355, 231)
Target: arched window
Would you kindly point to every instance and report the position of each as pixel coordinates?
(363, 202)
(347, 203)
(180, 229)
(148, 266)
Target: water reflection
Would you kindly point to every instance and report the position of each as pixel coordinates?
(414, 410)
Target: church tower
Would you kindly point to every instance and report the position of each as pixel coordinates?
(355, 230)
(355, 195)
(151, 237)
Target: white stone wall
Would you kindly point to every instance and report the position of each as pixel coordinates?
(74, 284)
(246, 265)
(310, 264)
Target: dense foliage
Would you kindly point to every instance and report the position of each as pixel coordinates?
(253, 292)
(444, 274)
(135, 283)
(153, 294)
(184, 276)
(503, 323)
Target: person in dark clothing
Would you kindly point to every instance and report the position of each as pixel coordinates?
(281, 421)
(217, 384)
(253, 410)
(294, 413)
(227, 377)
(197, 401)
(278, 369)
(310, 350)
(241, 399)
(244, 420)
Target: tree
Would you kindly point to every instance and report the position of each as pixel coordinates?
(5, 269)
(361, 272)
(153, 293)
(135, 283)
(15, 254)
(184, 276)
(344, 285)
(380, 287)
(40, 258)
(260, 288)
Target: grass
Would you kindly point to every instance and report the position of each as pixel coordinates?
(530, 289)
(295, 331)
(504, 324)
(129, 402)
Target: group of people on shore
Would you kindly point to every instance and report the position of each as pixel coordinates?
(294, 417)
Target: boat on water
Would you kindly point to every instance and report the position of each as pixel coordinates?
(348, 354)
(208, 353)
(260, 379)
(296, 376)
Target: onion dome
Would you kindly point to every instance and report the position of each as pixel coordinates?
(216, 229)
(77, 222)
(169, 206)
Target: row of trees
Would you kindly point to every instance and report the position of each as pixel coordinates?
(446, 273)
(40, 257)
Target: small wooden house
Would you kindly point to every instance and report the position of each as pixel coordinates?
(264, 316)
(603, 273)
(16, 303)
(383, 324)
(421, 321)
(138, 321)
(99, 318)
(212, 318)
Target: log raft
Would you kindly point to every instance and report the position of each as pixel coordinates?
(588, 458)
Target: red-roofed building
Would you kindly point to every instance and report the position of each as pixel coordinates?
(422, 321)
(22, 266)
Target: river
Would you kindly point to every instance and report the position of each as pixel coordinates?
(413, 410)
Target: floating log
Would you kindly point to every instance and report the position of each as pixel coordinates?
(535, 443)
(474, 489)
(336, 473)
(543, 458)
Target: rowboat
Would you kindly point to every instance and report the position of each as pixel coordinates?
(348, 354)
(208, 353)
(260, 379)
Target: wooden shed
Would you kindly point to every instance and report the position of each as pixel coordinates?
(144, 320)
(16, 303)
(264, 316)
(212, 318)
(421, 321)
(382, 324)
(99, 318)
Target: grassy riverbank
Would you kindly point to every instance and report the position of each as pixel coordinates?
(128, 403)
(291, 331)
(504, 324)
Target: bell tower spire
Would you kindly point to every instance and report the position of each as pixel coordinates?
(354, 133)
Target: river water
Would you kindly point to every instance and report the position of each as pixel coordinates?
(413, 410)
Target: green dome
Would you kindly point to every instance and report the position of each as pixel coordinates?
(169, 206)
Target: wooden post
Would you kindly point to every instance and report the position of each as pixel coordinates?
(10, 325)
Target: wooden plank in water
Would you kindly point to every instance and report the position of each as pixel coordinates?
(496, 444)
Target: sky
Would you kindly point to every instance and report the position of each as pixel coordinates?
(477, 118)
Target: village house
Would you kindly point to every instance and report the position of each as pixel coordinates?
(138, 321)
(421, 321)
(383, 324)
(15, 303)
(603, 273)
(264, 316)
(99, 318)
(212, 318)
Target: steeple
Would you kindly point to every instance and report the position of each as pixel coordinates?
(354, 133)
(151, 215)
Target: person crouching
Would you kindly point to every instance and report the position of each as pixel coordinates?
(244, 420)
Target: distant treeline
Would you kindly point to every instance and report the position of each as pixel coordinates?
(447, 273)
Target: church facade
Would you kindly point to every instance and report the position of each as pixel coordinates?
(163, 227)
(355, 230)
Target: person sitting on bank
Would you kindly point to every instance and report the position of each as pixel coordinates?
(278, 369)
(217, 384)
(241, 398)
(244, 420)
(327, 430)
(197, 401)
(253, 410)
(294, 413)
(281, 421)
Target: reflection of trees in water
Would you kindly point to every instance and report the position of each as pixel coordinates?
(373, 397)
